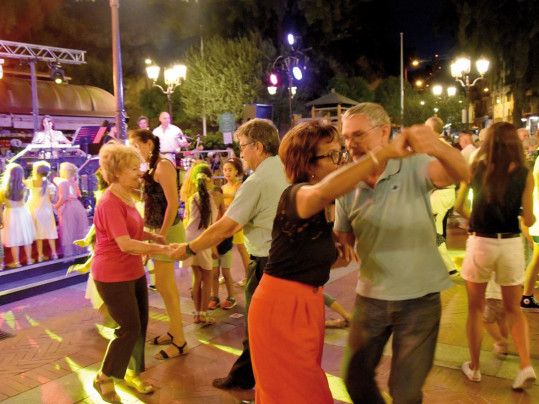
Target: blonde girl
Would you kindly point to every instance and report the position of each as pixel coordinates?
(40, 207)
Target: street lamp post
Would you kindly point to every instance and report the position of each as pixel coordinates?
(292, 64)
(173, 76)
(460, 70)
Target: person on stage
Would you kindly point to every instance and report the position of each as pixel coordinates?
(48, 136)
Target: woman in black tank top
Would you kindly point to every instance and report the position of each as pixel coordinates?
(161, 216)
(502, 188)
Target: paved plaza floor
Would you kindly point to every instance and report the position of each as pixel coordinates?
(58, 343)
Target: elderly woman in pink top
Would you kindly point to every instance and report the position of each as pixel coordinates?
(118, 272)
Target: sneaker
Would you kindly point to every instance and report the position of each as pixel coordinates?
(500, 350)
(152, 287)
(525, 378)
(214, 303)
(229, 303)
(473, 375)
(528, 303)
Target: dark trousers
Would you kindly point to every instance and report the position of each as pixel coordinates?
(127, 303)
(242, 370)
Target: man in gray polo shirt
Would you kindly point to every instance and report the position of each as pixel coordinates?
(253, 209)
(390, 219)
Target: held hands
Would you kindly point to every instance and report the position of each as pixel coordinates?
(159, 239)
(179, 252)
(423, 139)
(399, 147)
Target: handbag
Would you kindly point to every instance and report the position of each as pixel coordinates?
(225, 246)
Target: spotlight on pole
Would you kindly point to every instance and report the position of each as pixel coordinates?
(57, 73)
(274, 80)
(296, 71)
(291, 39)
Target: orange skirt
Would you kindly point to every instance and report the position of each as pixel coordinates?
(286, 338)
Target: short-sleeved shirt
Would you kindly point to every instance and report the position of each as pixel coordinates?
(255, 205)
(395, 233)
(494, 217)
(114, 218)
(170, 138)
(302, 250)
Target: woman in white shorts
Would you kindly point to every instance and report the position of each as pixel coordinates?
(502, 191)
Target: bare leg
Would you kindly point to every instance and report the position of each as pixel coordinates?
(15, 256)
(39, 245)
(532, 270)
(517, 322)
(197, 285)
(474, 323)
(337, 308)
(215, 282)
(166, 285)
(244, 257)
(52, 245)
(229, 283)
(205, 290)
(28, 251)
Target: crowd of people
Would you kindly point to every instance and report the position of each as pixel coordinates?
(318, 199)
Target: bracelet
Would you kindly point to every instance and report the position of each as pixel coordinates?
(189, 251)
(374, 160)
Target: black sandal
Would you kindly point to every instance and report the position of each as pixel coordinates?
(155, 341)
(183, 350)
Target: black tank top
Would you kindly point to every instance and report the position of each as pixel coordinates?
(302, 250)
(155, 202)
(495, 217)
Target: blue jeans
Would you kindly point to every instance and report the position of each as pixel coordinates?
(414, 324)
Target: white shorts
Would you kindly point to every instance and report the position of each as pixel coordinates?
(503, 257)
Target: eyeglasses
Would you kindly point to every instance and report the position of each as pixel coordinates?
(242, 146)
(336, 156)
(358, 136)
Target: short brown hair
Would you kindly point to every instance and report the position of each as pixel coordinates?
(114, 158)
(263, 131)
(300, 145)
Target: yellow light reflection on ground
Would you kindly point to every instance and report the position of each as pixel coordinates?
(86, 378)
(9, 318)
(31, 321)
(338, 389)
(54, 336)
(336, 384)
(227, 349)
(158, 317)
(105, 332)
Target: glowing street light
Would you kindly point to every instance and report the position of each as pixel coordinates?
(460, 70)
(173, 77)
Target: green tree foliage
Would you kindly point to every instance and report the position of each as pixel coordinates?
(227, 75)
(356, 88)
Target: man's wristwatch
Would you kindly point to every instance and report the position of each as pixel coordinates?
(189, 251)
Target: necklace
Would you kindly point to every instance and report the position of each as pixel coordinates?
(125, 198)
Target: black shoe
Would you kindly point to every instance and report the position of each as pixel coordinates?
(229, 383)
(528, 303)
(453, 272)
(152, 287)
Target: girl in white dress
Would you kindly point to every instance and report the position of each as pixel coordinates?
(40, 207)
(18, 227)
(200, 212)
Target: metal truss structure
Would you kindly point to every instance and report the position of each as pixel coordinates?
(41, 53)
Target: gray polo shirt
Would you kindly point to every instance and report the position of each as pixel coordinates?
(395, 233)
(255, 205)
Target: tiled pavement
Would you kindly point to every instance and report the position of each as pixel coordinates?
(57, 348)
